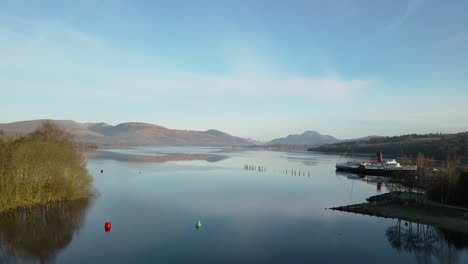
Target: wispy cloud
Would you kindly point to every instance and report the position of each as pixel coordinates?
(56, 49)
(264, 86)
(411, 8)
(148, 87)
(453, 41)
(448, 113)
(47, 47)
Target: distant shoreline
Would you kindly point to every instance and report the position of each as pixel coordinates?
(437, 147)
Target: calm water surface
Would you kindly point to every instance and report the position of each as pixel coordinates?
(248, 216)
(158, 151)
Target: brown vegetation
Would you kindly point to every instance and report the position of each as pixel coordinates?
(42, 167)
(441, 185)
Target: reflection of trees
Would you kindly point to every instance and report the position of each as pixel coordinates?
(427, 243)
(39, 233)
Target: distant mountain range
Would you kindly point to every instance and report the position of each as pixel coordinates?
(306, 138)
(133, 134)
(313, 138)
(144, 134)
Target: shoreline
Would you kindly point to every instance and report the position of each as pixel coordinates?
(443, 217)
(9, 211)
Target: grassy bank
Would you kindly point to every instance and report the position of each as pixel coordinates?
(42, 167)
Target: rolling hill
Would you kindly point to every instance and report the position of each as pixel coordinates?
(133, 134)
(306, 138)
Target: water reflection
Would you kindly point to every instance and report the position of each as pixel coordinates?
(216, 158)
(159, 158)
(390, 184)
(38, 234)
(350, 176)
(427, 243)
(307, 161)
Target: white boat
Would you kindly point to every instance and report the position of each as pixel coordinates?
(379, 167)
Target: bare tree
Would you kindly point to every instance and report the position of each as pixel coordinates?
(49, 131)
(451, 177)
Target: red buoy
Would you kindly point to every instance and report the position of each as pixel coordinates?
(102, 171)
(107, 226)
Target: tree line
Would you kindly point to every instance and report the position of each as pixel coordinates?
(435, 146)
(445, 185)
(42, 167)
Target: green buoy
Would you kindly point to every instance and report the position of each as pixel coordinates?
(198, 225)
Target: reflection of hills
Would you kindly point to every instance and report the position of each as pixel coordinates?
(427, 243)
(40, 233)
(216, 158)
(306, 161)
(102, 154)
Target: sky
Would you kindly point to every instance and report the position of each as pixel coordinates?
(258, 69)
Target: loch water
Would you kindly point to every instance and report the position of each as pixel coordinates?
(254, 206)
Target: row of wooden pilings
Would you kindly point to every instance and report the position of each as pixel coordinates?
(297, 172)
(255, 167)
(262, 168)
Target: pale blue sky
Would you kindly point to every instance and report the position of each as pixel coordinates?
(259, 69)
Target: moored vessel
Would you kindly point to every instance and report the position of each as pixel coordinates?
(379, 167)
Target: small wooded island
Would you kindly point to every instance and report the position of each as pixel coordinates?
(44, 166)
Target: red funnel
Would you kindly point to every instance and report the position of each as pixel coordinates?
(379, 157)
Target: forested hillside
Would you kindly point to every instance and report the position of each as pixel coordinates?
(435, 146)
